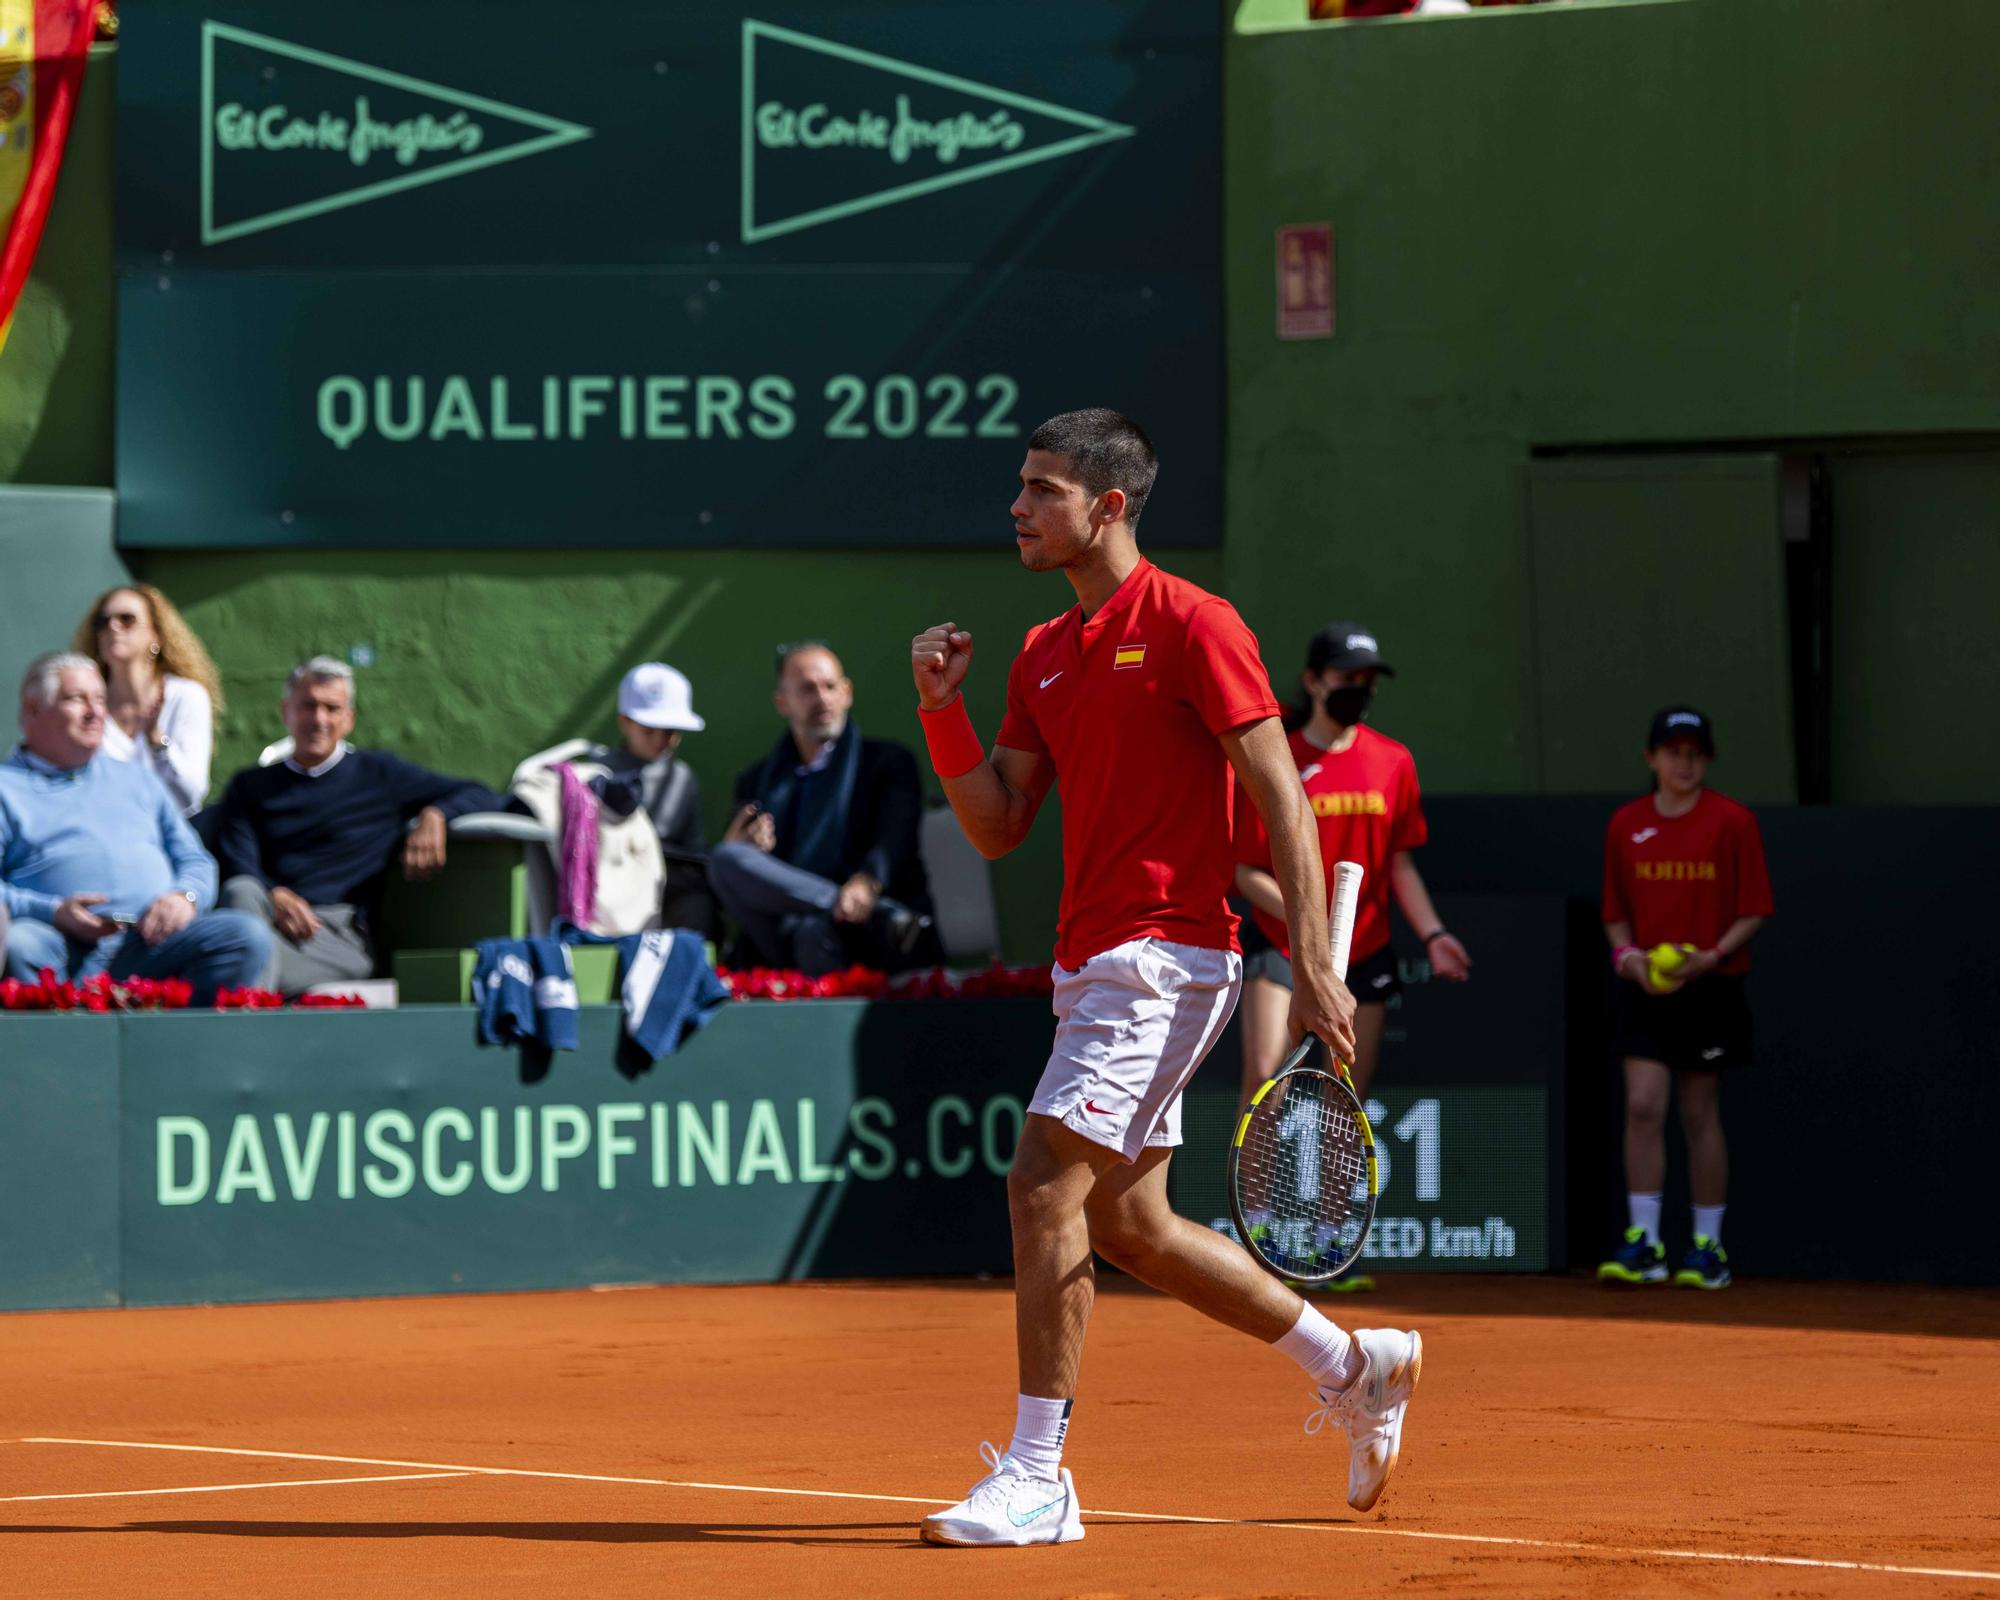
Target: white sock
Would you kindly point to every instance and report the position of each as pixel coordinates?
(1646, 1214)
(1708, 1222)
(1039, 1429)
(1330, 1357)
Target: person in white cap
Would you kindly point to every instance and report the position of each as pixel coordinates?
(651, 847)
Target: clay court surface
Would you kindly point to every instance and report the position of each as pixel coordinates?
(785, 1440)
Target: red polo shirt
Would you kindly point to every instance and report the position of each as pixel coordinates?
(1366, 803)
(1684, 880)
(1129, 705)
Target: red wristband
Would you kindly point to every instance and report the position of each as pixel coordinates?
(1618, 956)
(955, 747)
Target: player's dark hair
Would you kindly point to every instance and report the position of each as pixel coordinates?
(1106, 450)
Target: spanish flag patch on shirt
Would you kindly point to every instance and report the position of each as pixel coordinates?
(1129, 655)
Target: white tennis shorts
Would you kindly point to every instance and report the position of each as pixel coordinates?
(1132, 1024)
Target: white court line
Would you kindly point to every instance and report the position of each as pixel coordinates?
(1572, 1546)
(219, 1488)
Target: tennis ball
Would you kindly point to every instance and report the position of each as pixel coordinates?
(1662, 962)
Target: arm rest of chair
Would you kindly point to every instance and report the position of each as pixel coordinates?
(499, 825)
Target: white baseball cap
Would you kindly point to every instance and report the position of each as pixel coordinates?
(654, 695)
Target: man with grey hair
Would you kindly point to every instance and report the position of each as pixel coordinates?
(306, 842)
(99, 872)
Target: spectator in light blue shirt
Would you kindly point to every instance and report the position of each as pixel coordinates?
(99, 872)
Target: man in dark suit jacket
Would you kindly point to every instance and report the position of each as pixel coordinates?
(819, 866)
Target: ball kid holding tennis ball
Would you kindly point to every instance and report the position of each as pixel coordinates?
(1685, 891)
(1138, 702)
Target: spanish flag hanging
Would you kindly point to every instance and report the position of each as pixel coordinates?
(43, 47)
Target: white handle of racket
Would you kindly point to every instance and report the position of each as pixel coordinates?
(1347, 876)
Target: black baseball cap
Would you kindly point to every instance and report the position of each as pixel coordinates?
(1681, 722)
(1345, 647)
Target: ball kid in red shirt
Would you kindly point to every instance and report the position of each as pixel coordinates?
(1683, 869)
(1362, 786)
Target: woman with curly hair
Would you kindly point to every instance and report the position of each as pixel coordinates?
(161, 689)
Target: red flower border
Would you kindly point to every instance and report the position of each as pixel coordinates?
(100, 994)
(103, 994)
(864, 983)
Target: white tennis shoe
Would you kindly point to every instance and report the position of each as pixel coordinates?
(1009, 1507)
(1370, 1409)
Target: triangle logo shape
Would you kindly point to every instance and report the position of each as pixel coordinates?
(826, 137)
(289, 132)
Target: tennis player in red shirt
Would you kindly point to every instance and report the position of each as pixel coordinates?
(1138, 701)
(1362, 787)
(1682, 866)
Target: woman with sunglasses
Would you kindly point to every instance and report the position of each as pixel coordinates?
(161, 690)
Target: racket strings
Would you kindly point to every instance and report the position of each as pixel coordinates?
(1302, 1176)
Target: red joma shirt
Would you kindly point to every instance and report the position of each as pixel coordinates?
(1366, 802)
(1129, 706)
(1684, 880)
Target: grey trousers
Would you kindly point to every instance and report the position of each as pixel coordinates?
(338, 951)
(786, 913)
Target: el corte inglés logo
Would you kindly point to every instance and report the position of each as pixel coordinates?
(830, 131)
(290, 132)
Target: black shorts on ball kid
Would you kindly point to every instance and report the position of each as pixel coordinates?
(1372, 981)
(1703, 1026)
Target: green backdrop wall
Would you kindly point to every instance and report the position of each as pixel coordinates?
(1628, 225)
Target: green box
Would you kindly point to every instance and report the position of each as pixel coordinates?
(444, 977)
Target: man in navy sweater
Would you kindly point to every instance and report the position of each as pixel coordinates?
(99, 872)
(306, 842)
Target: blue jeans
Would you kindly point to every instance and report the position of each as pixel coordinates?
(219, 949)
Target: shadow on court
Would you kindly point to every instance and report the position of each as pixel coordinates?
(1896, 1308)
(1900, 1308)
(530, 1532)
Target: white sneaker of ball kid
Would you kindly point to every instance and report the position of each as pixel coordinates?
(1009, 1507)
(1370, 1409)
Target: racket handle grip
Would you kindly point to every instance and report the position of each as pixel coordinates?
(1347, 876)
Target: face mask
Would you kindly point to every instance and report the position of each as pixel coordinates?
(1349, 706)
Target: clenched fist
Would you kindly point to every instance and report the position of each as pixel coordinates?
(939, 659)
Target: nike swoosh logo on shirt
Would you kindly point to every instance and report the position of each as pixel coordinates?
(1039, 1511)
(1092, 1105)
(1643, 835)
(1310, 773)
(1051, 678)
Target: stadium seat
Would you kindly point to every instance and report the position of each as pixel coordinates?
(961, 890)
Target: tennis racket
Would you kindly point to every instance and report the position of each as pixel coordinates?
(1302, 1185)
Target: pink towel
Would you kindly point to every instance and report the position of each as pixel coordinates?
(576, 887)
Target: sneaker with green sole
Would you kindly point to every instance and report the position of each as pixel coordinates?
(1637, 1260)
(1705, 1266)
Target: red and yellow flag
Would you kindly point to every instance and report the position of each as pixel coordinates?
(43, 47)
